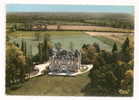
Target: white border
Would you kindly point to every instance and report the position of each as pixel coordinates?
(72, 2)
(80, 2)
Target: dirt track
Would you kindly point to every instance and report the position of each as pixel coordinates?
(82, 28)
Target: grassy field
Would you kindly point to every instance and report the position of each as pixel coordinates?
(52, 33)
(78, 38)
(53, 86)
(105, 40)
(109, 38)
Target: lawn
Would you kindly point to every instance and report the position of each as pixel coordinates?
(104, 40)
(78, 39)
(53, 86)
(52, 33)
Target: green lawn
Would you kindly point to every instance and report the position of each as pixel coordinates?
(78, 39)
(105, 40)
(52, 33)
(53, 86)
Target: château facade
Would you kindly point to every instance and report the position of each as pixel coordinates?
(65, 61)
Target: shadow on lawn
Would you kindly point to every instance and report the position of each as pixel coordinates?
(89, 90)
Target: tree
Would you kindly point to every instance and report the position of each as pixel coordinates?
(115, 53)
(58, 46)
(40, 52)
(110, 81)
(127, 83)
(125, 45)
(45, 49)
(23, 47)
(37, 36)
(114, 49)
(15, 65)
(71, 46)
(97, 47)
(7, 37)
(13, 28)
(126, 51)
(30, 51)
(84, 46)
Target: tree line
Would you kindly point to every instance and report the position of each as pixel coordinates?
(98, 19)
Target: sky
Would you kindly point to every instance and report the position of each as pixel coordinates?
(68, 8)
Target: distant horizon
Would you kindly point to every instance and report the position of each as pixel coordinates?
(41, 8)
(75, 12)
